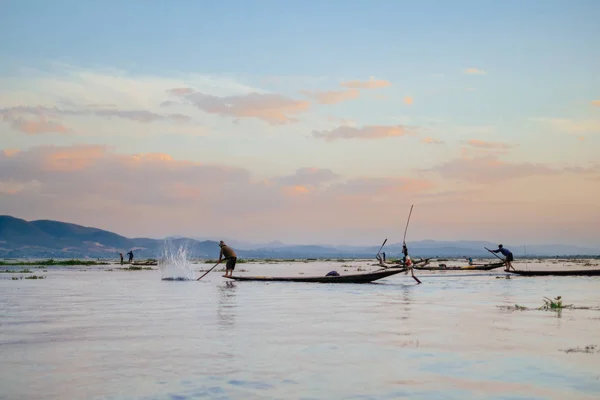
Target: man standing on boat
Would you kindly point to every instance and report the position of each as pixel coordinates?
(405, 252)
(229, 255)
(508, 254)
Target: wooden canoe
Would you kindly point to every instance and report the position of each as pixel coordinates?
(355, 278)
(483, 267)
(577, 272)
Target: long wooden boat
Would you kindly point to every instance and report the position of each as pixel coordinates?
(577, 272)
(355, 278)
(481, 267)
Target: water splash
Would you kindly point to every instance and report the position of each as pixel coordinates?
(174, 264)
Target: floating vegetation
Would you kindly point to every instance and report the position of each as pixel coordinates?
(35, 277)
(14, 271)
(555, 304)
(587, 349)
(133, 268)
(54, 262)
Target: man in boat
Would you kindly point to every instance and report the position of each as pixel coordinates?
(405, 252)
(130, 254)
(229, 255)
(506, 253)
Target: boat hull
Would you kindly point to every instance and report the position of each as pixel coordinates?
(356, 278)
(485, 267)
(580, 272)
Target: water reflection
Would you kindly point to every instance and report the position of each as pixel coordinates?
(227, 305)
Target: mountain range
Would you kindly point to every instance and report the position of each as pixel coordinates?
(47, 238)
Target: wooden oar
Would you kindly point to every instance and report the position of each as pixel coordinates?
(412, 272)
(384, 242)
(494, 254)
(208, 271)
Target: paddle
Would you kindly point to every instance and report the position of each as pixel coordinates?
(497, 256)
(208, 271)
(412, 272)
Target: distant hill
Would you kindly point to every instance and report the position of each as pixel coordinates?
(46, 238)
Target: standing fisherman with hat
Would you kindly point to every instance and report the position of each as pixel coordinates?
(228, 254)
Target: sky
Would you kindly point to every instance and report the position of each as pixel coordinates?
(305, 122)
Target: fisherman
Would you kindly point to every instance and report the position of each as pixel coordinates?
(470, 261)
(383, 256)
(130, 254)
(121, 255)
(508, 254)
(229, 255)
(405, 252)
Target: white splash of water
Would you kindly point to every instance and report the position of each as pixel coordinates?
(174, 264)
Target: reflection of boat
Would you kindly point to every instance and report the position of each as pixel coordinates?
(355, 278)
(577, 272)
(474, 267)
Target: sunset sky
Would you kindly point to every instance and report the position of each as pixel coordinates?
(305, 122)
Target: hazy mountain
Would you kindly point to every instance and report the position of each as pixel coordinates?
(45, 238)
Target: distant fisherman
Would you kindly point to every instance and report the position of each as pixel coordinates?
(228, 254)
(130, 254)
(405, 252)
(508, 254)
(121, 255)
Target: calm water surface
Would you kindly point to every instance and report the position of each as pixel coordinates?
(100, 334)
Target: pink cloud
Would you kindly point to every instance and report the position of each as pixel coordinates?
(430, 140)
(271, 108)
(333, 97)
(596, 103)
(480, 144)
(475, 71)
(489, 169)
(367, 132)
(20, 117)
(372, 83)
(408, 100)
(308, 177)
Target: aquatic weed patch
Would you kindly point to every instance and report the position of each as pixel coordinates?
(51, 262)
(587, 349)
(133, 268)
(14, 271)
(555, 305)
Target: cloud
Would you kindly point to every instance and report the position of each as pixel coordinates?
(430, 140)
(20, 117)
(596, 103)
(480, 144)
(408, 100)
(372, 83)
(475, 71)
(269, 107)
(367, 132)
(312, 177)
(333, 97)
(576, 127)
(388, 185)
(13, 187)
(489, 170)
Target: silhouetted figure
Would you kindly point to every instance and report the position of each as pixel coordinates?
(229, 255)
(121, 255)
(383, 254)
(130, 254)
(508, 254)
(405, 252)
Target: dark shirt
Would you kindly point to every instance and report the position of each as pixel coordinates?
(227, 252)
(505, 252)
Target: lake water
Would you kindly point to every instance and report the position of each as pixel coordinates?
(90, 333)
